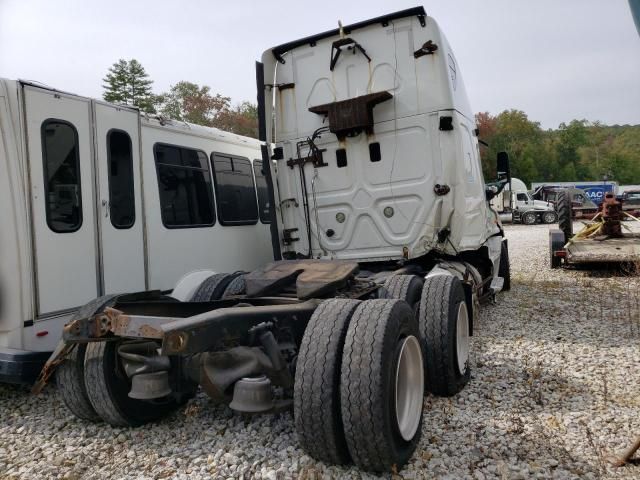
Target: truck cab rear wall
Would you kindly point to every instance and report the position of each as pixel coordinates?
(383, 205)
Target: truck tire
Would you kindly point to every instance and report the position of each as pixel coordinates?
(316, 393)
(382, 385)
(235, 287)
(213, 288)
(529, 218)
(108, 390)
(549, 217)
(70, 373)
(444, 325)
(504, 270)
(565, 221)
(403, 287)
(70, 382)
(556, 243)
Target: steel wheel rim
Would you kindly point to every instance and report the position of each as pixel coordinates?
(529, 219)
(549, 218)
(462, 337)
(409, 388)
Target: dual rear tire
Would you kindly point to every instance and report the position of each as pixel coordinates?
(94, 387)
(363, 367)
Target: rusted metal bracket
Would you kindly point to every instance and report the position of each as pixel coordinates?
(317, 160)
(352, 116)
(351, 44)
(287, 236)
(57, 357)
(429, 48)
(280, 86)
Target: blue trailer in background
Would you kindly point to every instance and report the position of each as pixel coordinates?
(594, 190)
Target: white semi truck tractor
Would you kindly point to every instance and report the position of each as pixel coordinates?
(515, 204)
(385, 248)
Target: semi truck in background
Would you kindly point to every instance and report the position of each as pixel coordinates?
(515, 204)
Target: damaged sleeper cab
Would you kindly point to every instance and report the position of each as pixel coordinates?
(385, 247)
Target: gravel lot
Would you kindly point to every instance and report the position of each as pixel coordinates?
(556, 370)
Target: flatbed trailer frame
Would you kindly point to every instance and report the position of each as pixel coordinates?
(601, 240)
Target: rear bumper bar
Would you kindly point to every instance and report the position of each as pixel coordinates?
(21, 366)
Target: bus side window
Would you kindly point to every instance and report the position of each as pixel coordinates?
(263, 192)
(122, 207)
(184, 181)
(235, 190)
(61, 167)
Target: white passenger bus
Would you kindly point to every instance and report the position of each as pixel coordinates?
(97, 198)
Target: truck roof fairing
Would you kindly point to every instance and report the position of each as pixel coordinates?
(311, 40)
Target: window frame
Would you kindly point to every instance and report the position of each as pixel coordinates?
(255, 181)
(45, 174)
(211, 178)
(233, 223)
(133, 186)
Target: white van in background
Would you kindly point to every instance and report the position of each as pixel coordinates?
(97, 198)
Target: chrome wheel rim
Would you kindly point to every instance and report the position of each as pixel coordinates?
(462, 337)
(549, 218)
(409, 387)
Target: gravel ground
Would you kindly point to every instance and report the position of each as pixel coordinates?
(556, 369)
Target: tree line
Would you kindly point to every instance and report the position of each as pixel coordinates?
(577, 151)
(127, 82)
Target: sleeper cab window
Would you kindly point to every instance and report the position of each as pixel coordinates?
(264, 209)
(61, 169)
(235, 190)
(122, 207)
(184, 182)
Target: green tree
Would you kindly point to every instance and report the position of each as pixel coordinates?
(128, 83)
(193, 103)
(513, 132)
(575, 151)
(243, 120)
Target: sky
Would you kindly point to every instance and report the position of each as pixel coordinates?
(557, 60)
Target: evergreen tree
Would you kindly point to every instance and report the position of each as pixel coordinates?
(128, 83)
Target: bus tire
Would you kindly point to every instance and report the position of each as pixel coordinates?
(316, 393)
